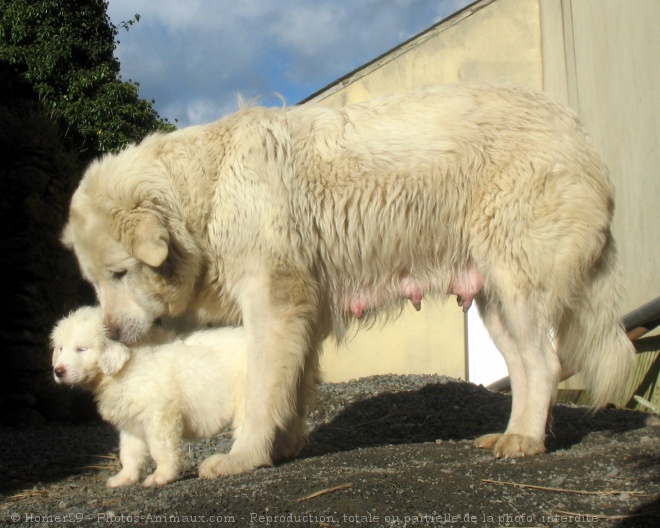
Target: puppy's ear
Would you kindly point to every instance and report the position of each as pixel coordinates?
(54, 340)
(113, 357)
(144, 236)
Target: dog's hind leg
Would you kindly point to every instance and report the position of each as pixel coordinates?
(132, 454)
(534, 372)
(494, 322)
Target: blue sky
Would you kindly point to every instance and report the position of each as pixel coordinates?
(194, 56)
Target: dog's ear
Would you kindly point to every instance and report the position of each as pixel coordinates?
(150, 241)
(113, 357)
(144, 236)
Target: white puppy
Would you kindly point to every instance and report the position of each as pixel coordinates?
(155, 393)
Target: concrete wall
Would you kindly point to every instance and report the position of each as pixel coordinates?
(599, 57)
(490, 40)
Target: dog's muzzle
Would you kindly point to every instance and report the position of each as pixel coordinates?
(59, 373)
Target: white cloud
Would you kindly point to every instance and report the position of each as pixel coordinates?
(193, 56)
(198, 110)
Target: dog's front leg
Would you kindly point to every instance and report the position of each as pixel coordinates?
(132, 454)
(279, 313)
(164, 434)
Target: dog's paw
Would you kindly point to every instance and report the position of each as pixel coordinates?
(123, 479)
(488, 441)
(517, 446)
(218, 465)
(159, 479)
(289, 446)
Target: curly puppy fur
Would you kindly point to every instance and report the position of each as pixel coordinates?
(301, 221)
(157, 392)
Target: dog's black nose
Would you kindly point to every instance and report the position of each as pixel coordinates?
(59, 372)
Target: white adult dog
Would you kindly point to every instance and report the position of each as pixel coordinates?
(155, 394)
(299, 221)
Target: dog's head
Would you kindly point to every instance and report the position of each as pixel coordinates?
(82, 350)
(126, 231)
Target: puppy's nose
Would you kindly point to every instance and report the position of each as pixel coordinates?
(59, 372)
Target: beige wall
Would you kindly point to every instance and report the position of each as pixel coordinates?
(598, 56)
(601, 56)
(492, 40)
(430, 341)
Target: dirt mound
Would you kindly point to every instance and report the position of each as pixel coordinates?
(384, 451)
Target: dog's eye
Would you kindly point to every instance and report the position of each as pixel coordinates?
(80, 349)
(118, 275)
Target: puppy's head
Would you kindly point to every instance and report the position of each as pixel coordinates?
(82, 351)
(132, 246)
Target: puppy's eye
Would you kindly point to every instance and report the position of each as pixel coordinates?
(80, 349)
(119, 275)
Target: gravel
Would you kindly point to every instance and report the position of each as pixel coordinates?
(383, 451)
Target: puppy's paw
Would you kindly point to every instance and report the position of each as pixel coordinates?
(488, 441)
(123, 478)
(159, 478)
(516, 446)
(218, 465)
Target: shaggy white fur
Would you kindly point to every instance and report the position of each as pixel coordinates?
(301, 221)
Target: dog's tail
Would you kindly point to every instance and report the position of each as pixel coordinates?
(590, 337)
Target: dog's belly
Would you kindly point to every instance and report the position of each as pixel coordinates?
(465, 284)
